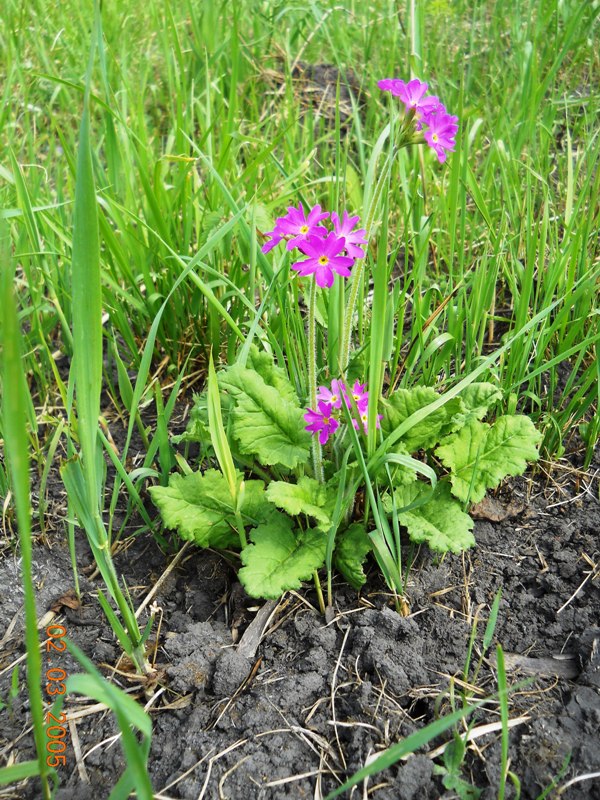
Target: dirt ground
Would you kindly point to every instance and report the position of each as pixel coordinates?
(320, 696)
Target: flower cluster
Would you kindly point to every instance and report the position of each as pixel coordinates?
(329, 252)
(426, 110)
(324, 420)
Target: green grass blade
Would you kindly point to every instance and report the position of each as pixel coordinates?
(87, 301)
(16, 445)
(405, 748)
(127, 713)
(19, 772)
(503, 699)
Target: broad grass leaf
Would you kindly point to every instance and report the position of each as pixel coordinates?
(201, 508)
(308, 496)
(279, 559)
(404, 402)
(351, 549)
(267, 422)
(479, 456)
(440, 522)
(218, 436)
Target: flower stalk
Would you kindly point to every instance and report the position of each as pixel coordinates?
(312, 376)
(357, 272)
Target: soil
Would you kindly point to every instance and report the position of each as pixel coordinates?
(321, 697)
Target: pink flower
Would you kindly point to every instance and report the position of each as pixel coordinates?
(428, 105)
(360, 396)
(440, 133)
(412, 95)
(324, 259)
(322, 421)
(364, 418)
(296, 226)
(353, 238)
(428, 111)
(334, 395)
(273, 242)
(387, 84)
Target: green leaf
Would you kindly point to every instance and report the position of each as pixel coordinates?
(464, 790)
(480, 456)
(308, 496)
(197, 427)
(476, 399)
(201, 508)
(19, 772)
(263, 363)
(280, 560)
(218, 436)
(267, 423)
(440, 522)
(86, 287)
(403, 403)
(351, 549)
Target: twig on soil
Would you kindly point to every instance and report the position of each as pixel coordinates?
(333, 693)
(593, 573)
(565, 667)
(248, 644)
(241, 688)
(476, 733)
(213, 760)
(587, 777)
(161, 796)
(11, 627)
(169, 569)
(341, 614)
(291, 779)
(77, 750)
(227, 774)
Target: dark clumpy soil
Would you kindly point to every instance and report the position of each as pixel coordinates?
(321, 698)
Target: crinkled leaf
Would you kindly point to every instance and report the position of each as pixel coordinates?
(308, 496)
(259, 361)
(197, 428)
(403, 403)
(263, 363)
(351, 549)
(400, 473)
(480, 456)
(440, 522)
(266, 423)
(279, 559)
(202, 510)
(477, 399)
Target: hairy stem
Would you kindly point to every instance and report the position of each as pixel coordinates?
(359, 267)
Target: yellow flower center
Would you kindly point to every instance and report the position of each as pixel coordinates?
(434, 138)
(323, 261)
(364, 417)
(326, 420)
(334, 398)
(304, 229)
(356, 397)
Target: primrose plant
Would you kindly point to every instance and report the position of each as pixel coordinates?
(322, 470)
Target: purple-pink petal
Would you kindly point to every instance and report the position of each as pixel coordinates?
(321, 421)
(274, 241)
(354, 239)
(324, 276)
(412, 93)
